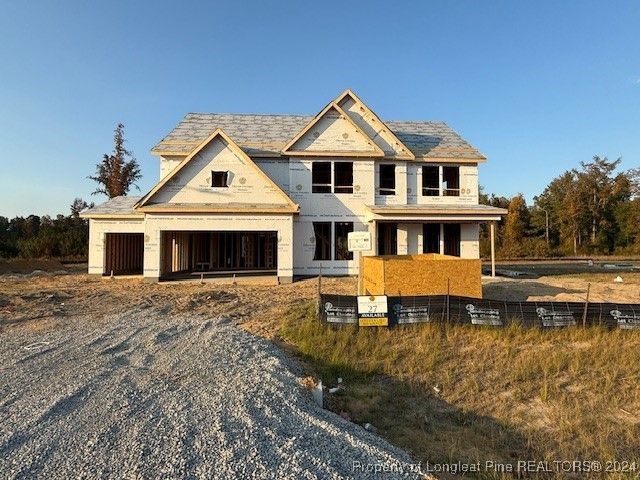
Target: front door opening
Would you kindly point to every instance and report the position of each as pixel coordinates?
(430, 238)
(452, 239)
(387, 239)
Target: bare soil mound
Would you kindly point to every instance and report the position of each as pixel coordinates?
(28, 266)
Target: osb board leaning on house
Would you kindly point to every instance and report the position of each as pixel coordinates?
(426, 274)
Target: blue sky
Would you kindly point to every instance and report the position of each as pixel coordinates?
(536, 86)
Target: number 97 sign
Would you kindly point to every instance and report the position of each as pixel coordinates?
(372, 311)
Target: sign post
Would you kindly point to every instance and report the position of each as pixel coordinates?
(359, 242)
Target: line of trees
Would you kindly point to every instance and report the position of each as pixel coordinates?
(585, 211)
(45, 237)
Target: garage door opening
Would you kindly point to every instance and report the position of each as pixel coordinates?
(215, 253)
(124, 254)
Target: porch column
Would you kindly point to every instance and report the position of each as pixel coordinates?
(152, 251)
(403, 239)
(373, 229)
(493, 249)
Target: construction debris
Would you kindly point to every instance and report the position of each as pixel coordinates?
(367, 426)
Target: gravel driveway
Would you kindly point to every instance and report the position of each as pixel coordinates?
(147, 395)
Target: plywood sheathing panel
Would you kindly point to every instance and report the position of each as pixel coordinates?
(425, 274)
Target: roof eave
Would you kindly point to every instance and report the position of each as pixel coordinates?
(371, 154)
(200, 209)
(127, 216)
(169, 152)
(424, 158)
(435, 209)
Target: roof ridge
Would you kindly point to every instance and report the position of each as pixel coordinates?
(419, 121)
(251, 114)
(298, 115)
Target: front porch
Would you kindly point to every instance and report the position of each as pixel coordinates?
(417, 237)
(443, 229)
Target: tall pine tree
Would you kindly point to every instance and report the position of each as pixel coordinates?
(115, 174)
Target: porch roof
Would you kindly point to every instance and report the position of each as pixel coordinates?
(117, 207)
(418, 213)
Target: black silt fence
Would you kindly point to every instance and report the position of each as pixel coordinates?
(341, 310)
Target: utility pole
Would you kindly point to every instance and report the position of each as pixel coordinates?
(546, 217)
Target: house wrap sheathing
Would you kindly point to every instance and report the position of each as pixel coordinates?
(278, 194)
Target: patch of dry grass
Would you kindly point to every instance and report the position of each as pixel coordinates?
(631, 277)
(464, 393)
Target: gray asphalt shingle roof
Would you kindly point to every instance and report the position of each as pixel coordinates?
(115, 206)
(268, 134)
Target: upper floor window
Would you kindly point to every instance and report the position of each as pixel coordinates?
(321, 178)
(430, 181)
(451, 181)
(219, 179)
(387, 179)
(431, 185)
(343, 177)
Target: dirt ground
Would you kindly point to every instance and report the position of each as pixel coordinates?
(32, 304)
(28, 266)
(566, 288)
(45, 301)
